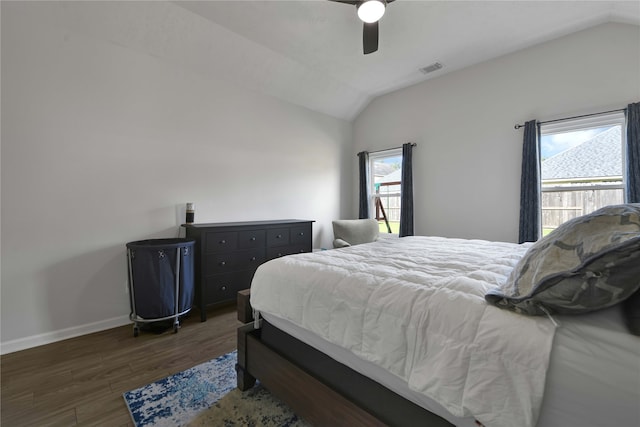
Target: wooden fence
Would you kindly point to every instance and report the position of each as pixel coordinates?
(557, 206)
(561, 206)
(391, 207)
(389, 193)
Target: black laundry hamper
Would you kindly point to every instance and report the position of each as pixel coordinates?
(160, 280)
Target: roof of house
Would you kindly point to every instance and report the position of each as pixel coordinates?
(597, 157)
(383, 169)
(394, 176)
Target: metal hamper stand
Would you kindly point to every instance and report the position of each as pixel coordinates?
(164, 290)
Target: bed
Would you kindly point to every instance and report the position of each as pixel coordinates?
(399, 332)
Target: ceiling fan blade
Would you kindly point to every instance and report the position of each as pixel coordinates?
(352, 2)
(370, 37)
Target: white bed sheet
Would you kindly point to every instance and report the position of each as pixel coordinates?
(593, 377)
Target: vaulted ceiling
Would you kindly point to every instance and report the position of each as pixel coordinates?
(309, 52)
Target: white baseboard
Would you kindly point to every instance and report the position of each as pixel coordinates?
(62, 334)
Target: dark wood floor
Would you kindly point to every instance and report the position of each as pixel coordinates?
(80, 381)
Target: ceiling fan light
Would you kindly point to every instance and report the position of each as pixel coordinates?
(371, 10)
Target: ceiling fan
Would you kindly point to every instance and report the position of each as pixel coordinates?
(370, 12)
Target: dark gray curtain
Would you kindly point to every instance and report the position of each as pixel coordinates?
(363, 163)
(530, 185)
(406, 191)
(633, 153)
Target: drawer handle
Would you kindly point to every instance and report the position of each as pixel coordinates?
(279, 236)
(279, 254)
(301, 233)
(223, 287)
(223, 263)
(253, 239)
(252, 258)
(222, 242)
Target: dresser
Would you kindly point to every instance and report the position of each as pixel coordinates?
(228, 253)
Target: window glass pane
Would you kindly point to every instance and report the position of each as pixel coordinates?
(581, 171)
(582, 156)
(387, 175)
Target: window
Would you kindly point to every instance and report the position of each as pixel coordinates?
(582, 167)
(385, 168)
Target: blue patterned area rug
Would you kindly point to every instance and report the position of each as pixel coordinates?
(206, 395)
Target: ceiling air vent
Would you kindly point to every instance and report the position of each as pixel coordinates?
(431, 68)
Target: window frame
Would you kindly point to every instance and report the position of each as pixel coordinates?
(377, 156)
(582, 124)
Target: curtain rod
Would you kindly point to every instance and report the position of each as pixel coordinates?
(518, 126)
(413, 144)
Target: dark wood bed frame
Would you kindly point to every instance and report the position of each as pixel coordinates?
(316, 387)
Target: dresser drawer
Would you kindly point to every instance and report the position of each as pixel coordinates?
(221, 241)
(251, 239)
(278, 252)
(278, 237)
(224, 287)
(222, 262)
(301, 236)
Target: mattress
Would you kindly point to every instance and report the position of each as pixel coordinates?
(594, 364)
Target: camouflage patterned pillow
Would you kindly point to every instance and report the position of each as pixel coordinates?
(586, 264)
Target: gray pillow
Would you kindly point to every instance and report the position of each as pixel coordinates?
(586, 264)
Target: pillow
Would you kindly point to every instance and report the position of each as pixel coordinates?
(347, 232)
(586, 264)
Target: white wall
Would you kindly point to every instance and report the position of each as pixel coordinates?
(468, 159)
(102, 145)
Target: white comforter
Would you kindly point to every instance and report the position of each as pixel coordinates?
(415, 306)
